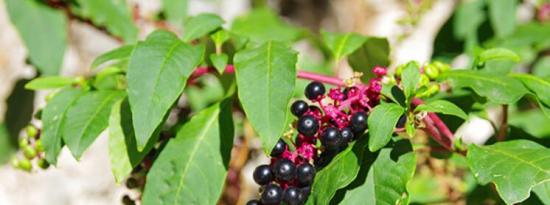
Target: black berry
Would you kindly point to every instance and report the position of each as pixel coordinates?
(308, 125)
(278, 149)
(359, 122)
(284, 170)
(253, 202)
(314, 90)
(304, 193)
(331, 138)
(263, 175)
(292, 196)
(299, 107)
(305, 174)
(347, 135)
(272, 195)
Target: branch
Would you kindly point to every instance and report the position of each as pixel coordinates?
(503, 128)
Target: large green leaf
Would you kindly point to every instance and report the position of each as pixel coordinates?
(498, 89)
(494, 54)
(539, 86)
(119, 53)
(272, 27)
(444, 107)
(86, 118)
(543, 192)
(386, 179)
(200, 25)
(44, 32)
(192, 167)
(410, 79)
(342, 44)
(175, 10)
(374, 52)
(157, 74)
(115, 15)
(515, 167)
(53, 117)
(382, 121)
(266, 76)
(122, 142)
(502, 14)
(341, 171)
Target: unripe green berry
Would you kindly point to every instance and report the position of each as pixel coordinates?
(32, 132)
(42, 163)
(23, 143)
(441, 66)
(431, 71)
(424, 80)
(25, 165)
(29, 152)
(38, 146)
(433, 89)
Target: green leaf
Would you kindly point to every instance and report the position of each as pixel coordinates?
(6, 146)
(220, 37)
(543, 192)
(382, 121)
(122, 142)
(115, 15)
(342, 44)
(374, 52)
(86, 118)
(498, 54)
(192, 168)
(444, 107)
(386, 180)
(44, 32)
(120, 53)
(272, 29)
(502, 14)
(200, 25)
(410, 79)
(219, 61)
(539, 86)
(341, 171)
(498, 89)
(469, 16)
(515, 167)
(50, 82)
(157, 74)
(53, 117)
(266, 76)
(175, 10)
(542, 67)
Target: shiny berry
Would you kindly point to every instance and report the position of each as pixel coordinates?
(359, 122)
(263, 175)
(299, 107)
(304, 193)
(305, 174)
(291, 196)
(314, 90)
(278, 149)
(347, 135)
(253, 202)
(272, 195)
(308, 125)
(284, 170)
(331, 138)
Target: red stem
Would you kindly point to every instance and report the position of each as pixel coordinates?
(434, 125)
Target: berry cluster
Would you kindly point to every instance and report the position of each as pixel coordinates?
(334, 119)
(31, 147)
(429, 72)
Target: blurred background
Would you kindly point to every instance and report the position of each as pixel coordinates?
(411, 27)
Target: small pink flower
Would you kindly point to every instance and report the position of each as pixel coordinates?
(307, 151)
(336, 94)
(379, 71)
(544, 12)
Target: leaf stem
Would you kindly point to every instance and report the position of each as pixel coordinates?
(503, 124)
(446, 136)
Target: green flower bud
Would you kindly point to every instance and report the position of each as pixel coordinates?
(433, 89)
(23, 143)
(443, 67)
(431, 71)
(424, 80)
(38, 145)
(42, 163)
(399, 70)
(31, 131)
(25, 165)
(14, 162)
(29, 152)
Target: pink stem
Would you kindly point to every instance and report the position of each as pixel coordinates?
(433, 120)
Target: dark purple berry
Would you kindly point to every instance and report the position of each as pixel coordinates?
(331, 138)
(284, 170)
(308, 125)
(279, 148)
(314, 90)
(291, 196)
(347, 135)
(263, 175)
(305, 174)
(272, 195)
(253, 202)
(304, 193)
(359, 122)
(299, 107)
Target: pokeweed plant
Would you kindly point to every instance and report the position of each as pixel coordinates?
(363, 140)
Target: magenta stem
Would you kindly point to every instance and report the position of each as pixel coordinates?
(446, 140)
